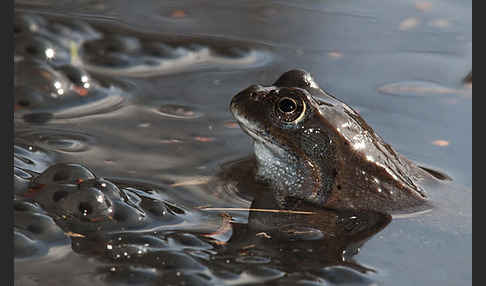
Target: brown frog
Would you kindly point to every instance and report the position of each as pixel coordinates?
(310, 146)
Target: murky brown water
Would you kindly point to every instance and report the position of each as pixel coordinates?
(138, 93)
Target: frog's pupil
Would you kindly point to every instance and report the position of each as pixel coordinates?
(287, 105)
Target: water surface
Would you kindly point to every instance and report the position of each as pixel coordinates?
(138, 93)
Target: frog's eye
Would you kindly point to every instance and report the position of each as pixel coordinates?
(290, 110)
(287, 105)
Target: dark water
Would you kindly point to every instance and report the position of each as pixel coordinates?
(138, 93)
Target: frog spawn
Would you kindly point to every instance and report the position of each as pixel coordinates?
(68, 202)
(126, 55)
(58, 42)
(43, 92)
(82, 203)
(34, 230)
(113, 223)
(60, 66)
(49, 81)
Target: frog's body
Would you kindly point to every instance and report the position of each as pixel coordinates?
(310, 146)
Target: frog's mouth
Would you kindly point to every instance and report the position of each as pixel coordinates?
(262, 140)
(253, 129)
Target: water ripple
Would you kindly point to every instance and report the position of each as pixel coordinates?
(58, 140)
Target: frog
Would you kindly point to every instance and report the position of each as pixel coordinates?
(310, 146)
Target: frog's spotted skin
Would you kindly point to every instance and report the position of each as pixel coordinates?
(311, 146)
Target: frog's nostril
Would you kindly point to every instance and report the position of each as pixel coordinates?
(59, 195)
(255, 92)
(233, 106)
(234, 100)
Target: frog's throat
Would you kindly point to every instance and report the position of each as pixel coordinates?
(289, 176)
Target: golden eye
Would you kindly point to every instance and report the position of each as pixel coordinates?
(290, 110)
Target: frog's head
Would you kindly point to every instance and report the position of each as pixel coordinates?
(272, 114)
(292, 144)
(309, 146)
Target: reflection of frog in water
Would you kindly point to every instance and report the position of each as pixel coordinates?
(304, 234)
(310, 146)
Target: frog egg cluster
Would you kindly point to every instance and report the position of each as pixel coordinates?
(34, 230)
(50, 81)
(81, 202)
(70, 192)
(125, 55)
(55, 59)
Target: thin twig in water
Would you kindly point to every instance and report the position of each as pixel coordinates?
(73, 234)
(197, 181)
(258, 210)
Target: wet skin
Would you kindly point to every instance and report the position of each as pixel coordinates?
(310, 146)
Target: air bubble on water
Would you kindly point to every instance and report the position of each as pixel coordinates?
(143, 125)
(50, 53)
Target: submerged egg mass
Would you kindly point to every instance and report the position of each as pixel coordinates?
(82, 202)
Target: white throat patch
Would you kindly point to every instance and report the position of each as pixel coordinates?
(278, 166)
